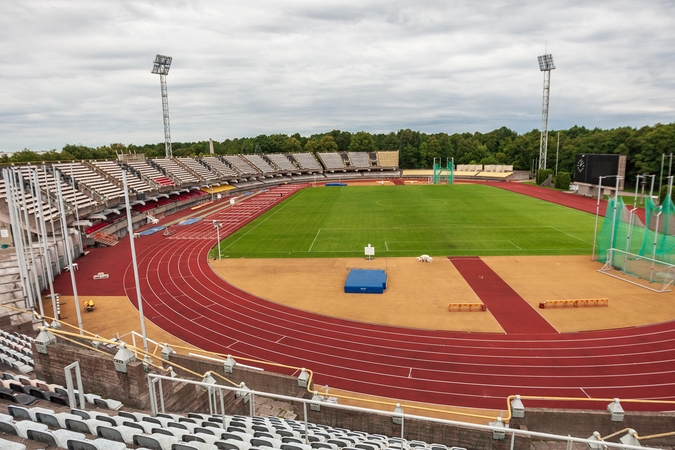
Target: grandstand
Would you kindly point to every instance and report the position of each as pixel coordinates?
(114, 170)
(174, 170)
(242, 166)
(282, 162)
(219, 167)
(332, 162)
(198, 169)
(98, 184)
(259, 163)
(307, 163)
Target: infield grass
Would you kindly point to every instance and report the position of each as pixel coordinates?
(461, 219)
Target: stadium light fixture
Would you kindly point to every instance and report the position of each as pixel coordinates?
(161, 67)
(545, 65)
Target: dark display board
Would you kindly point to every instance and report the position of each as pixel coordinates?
(588, 168)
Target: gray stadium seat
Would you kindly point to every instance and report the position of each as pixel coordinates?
(9, 445)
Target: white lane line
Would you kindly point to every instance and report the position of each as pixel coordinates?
(514, 245)
(386, 245)
(585, 393)
(410, 373)
(317, 235)
(279, 340)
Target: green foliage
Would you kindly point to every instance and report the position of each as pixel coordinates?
(663, 193)
(643, 146)
(437, 220)
(362, 142)
(542, 175)
(563, 180)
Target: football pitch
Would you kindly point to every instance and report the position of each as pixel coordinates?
(440, 220)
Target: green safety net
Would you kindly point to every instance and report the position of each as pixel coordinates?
(641, 249)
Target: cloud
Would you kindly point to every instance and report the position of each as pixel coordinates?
(79, 71)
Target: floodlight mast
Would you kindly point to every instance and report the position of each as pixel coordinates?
(161, 66)
(545, 65)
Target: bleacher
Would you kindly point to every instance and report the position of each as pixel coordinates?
(219, 167)
(87, 176)
(331, 161)
(260, 164)
(359, 160)
(49, 211)
(200, 169)
(175, 171)
(114, 170)
(282, 162)
(307, 161)
(151, 173)
(387, 159)
(241, 165)
(71, 196)
(16, 351)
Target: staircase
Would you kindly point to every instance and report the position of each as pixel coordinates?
(105, 239)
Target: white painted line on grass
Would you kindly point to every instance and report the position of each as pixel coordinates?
(572, 236)
(317, 235)
(515, 245)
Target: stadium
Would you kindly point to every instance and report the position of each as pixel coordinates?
(509, 336)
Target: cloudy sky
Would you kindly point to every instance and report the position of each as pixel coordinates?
(78, 71)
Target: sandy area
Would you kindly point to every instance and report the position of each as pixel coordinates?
(418, 293)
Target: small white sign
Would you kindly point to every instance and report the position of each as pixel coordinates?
(4, 233)
(370, 251)
(231, 202)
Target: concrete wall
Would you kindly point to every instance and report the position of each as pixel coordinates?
(582, 423)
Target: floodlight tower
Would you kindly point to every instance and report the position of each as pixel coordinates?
(545, 65)
(161, 67)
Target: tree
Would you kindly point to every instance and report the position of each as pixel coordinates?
(362, 142)
(292, 145)
(328, 144)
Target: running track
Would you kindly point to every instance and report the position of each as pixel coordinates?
(186, 298)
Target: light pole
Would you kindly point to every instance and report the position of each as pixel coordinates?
(545, 65)
(161, 67)
(217, 225)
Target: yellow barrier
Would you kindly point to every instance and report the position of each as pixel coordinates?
(467, 307)
(574, 303)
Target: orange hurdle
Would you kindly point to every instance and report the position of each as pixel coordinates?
(467, 307)
(574, 303)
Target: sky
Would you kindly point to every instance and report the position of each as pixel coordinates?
(79, 71)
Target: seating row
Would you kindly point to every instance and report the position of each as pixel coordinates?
(24, 390)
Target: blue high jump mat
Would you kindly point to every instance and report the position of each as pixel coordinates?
(336, 184)
(152, 230)
(189, 221)
(366, 281)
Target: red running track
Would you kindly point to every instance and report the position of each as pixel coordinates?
(185, 297)
(509, 309)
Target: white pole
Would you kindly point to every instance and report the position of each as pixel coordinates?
(597, 214)
(130, 227)
(656, 236)
(557, 148)
(69, 253)
(43, 230)
(616, 204)
(637, 183)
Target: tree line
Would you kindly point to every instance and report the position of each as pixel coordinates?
(644, 147)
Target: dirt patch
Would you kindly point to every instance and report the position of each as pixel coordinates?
(418, 293)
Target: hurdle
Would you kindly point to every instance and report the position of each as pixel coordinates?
(467, 307)
(580, 303)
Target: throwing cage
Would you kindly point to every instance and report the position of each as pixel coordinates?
(444, 175)
(632, 250)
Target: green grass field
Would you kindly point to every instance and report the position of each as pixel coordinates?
(412, 220)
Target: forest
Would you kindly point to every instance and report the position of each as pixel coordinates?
(644, 147)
